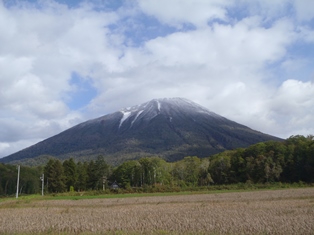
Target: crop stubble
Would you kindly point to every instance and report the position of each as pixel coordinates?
(288, 211)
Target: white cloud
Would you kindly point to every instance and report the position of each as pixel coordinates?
(292, 107)
(244, 44)
(293, 97)
(178, 12)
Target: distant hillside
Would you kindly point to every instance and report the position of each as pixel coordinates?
(169, 128)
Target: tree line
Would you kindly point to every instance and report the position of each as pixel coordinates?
(289, 161)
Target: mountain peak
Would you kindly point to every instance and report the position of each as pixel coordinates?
(162, 106)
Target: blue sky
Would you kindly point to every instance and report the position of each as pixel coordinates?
(64, 62)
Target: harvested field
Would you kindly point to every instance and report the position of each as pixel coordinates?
(288, 211)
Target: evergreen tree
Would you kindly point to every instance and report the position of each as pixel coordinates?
(98, 173)
(70, 173)
(82, 177)
(92, 179)
(102, 172)
(54, 175)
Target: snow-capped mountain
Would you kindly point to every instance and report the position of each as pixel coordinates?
(171, 128)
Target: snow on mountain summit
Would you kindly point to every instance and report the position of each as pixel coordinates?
(170, 108)
(174, 103)
(163, 106)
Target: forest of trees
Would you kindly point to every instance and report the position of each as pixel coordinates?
(289, 161)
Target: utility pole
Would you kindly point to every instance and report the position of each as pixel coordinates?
(18, 181)
(42, 178)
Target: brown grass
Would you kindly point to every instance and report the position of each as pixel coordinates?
(259, 212)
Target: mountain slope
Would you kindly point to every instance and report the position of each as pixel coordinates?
(169, 128)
